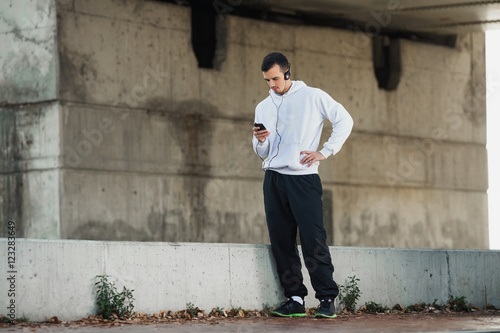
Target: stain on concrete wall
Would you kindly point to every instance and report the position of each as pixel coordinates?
(11, 180)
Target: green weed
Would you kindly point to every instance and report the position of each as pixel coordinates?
(372, 307)
(217, 312)
(192, 310)
(110, 303)
(267, 309)
(458, 304)
(491, 307)
(349, 294)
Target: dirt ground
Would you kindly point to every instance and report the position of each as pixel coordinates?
(479, 321)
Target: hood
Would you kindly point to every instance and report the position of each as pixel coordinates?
(296, 86)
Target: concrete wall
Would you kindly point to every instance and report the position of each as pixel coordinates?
(56, 278)
(150, 147)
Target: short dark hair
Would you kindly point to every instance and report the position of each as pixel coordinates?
(275, 58)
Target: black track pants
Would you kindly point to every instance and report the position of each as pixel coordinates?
(291, 202)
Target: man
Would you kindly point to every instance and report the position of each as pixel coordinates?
(292, 116)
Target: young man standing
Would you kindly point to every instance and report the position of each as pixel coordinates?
(292, 117)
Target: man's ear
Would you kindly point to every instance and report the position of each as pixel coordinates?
(287, 73)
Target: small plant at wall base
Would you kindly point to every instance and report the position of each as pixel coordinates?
(217, 312)
(490, 307)
(267, 309)
(192, 310)
(237, 312)
(372, 307)
(349, 294)
(437, 306)
(458, 304)
(110, 303)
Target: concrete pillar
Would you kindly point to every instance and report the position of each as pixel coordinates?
(29, 118)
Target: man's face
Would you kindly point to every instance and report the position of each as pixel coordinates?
(275, 78)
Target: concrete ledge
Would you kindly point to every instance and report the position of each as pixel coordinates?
(56, 277)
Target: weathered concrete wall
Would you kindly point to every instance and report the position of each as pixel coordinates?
(29, 134)
(56, 278)
(153, 148)
(413, 174)
(29, 169)
(28, 57)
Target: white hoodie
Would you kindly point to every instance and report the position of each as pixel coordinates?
(295, 121)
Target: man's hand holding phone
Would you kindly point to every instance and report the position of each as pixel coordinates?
(260, 132)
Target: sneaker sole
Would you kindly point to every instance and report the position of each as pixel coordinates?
(277, 314)
(319, 315)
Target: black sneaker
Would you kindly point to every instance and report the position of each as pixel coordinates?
(290, 309)
(326, 309)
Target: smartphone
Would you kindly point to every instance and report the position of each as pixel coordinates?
(260, 126)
